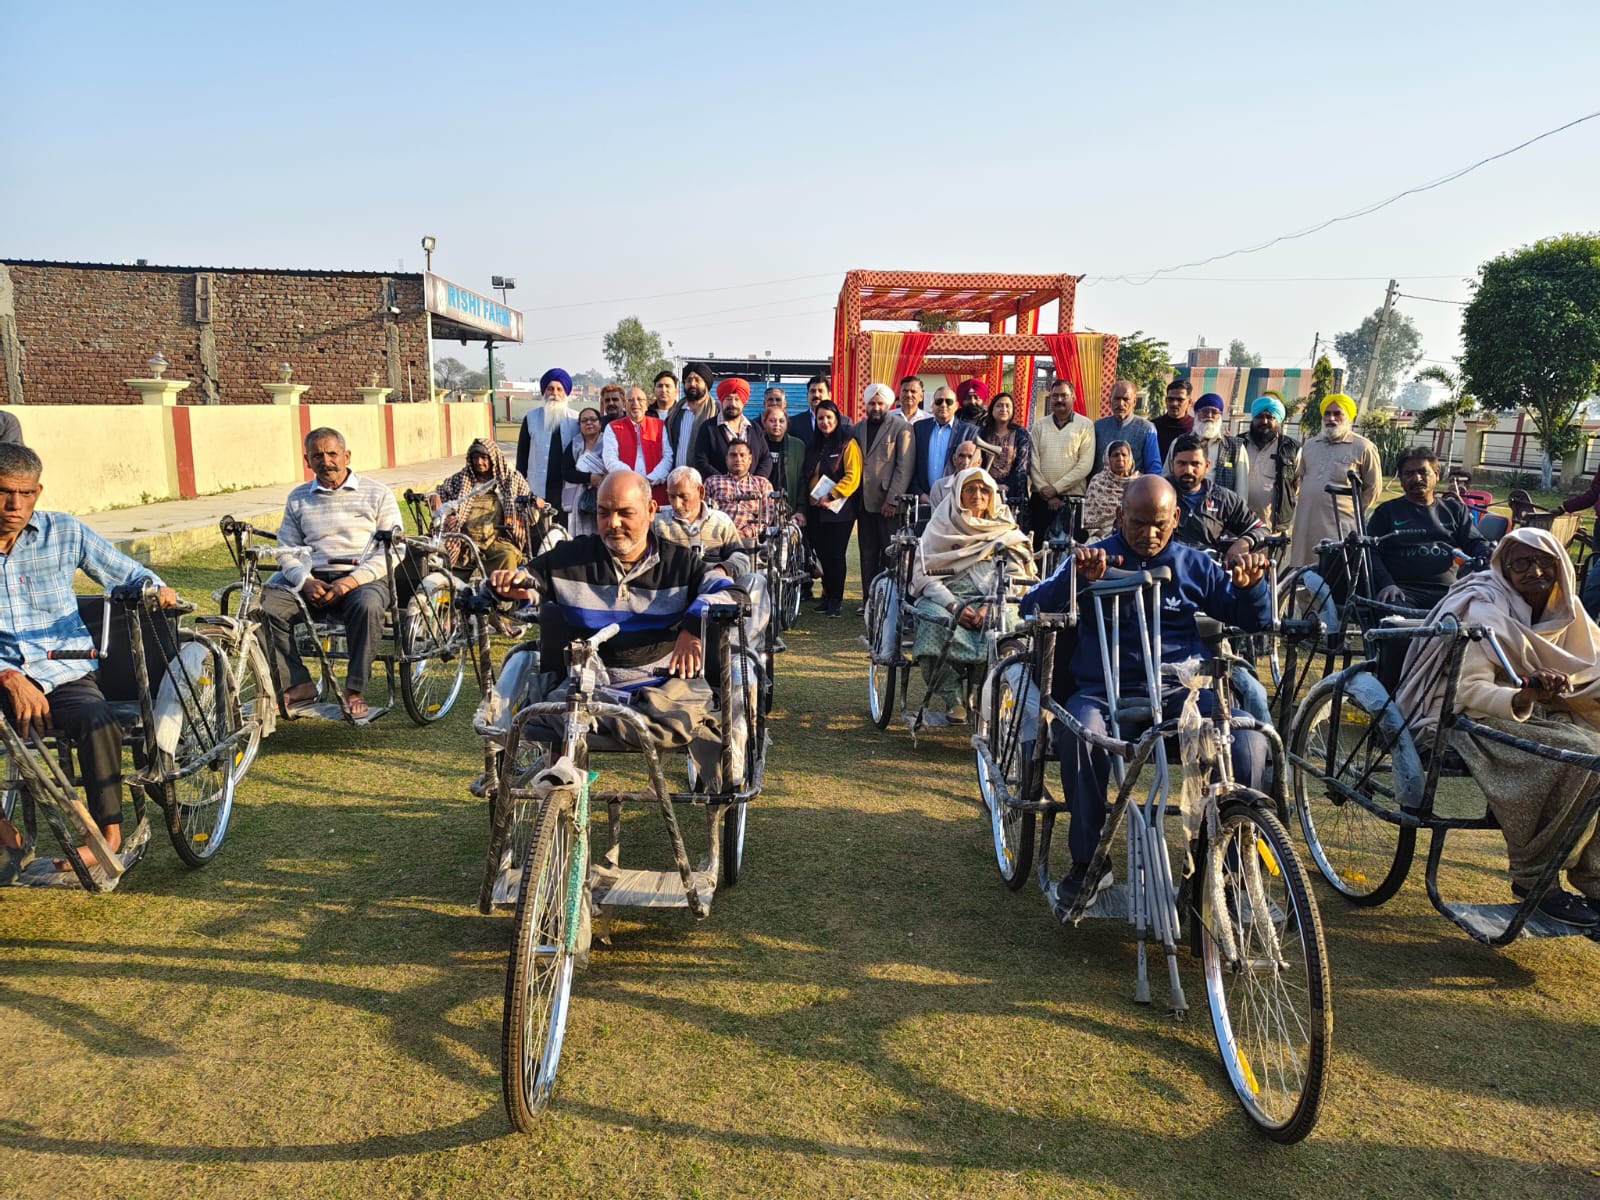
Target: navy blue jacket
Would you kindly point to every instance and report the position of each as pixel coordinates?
(922, 477)
(1199, 584)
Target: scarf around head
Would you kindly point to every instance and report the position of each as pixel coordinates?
(508, 486)
(956, 541)
(1562, 639)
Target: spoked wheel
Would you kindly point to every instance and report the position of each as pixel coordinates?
(511, 816)
(1266, 970)
(1333, 753)
(1011, 827)
(881, 685)
(1300, 659)
(539, 975)
(733, 826)
(432, 635)
(199, 802)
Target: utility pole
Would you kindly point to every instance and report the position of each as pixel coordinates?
(1377, 345)
(1316, 343)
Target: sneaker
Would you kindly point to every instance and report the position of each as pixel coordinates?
(1563, 906)
(779, 645)
(820, 607)
(1073, 883)
(833, 610)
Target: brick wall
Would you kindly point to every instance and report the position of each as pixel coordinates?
(83, 329)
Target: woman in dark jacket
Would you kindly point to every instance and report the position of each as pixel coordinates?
(834, 455)
(1009, 467)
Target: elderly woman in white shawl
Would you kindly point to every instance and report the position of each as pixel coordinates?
(953, 579)
(1528, 596)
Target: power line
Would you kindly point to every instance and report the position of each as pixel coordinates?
(1433, 299)
(1138, 279)
(732, 287)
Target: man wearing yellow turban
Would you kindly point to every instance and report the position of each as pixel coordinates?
(1329, 458)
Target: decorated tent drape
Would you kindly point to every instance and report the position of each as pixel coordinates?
(1081, 360)
(1022, 370)
(896, 355)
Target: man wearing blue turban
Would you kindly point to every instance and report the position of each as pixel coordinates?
(550, 423)
(1274, 457)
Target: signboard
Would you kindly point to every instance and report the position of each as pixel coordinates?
(452, 302)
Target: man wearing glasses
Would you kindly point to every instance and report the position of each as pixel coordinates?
(936, 442)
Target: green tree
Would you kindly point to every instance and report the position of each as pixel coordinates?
(929, 322)
(1532, 337)
(1458, 405)
(1322, 379)
(1240, 356)
(1147, 364)
(451, 373)
(1402, 350)
(634, 353)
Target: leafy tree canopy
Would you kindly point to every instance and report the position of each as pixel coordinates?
(1532, 336)
(634, 353)
(1146, 363)
(1239, 355)
(1402, 350)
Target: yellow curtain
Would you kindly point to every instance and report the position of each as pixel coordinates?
(885, 354)
(1091, 361)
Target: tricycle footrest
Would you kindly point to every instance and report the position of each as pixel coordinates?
(1487, 922)
(649, 889)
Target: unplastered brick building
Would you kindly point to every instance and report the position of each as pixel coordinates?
(71, 333)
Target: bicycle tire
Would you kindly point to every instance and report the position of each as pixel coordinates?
(733, 832)
(539, 970)
(1011, 828)
(430, 683)
(511, 817)
(1365, 858)
(1272, 1015)
(199, 804)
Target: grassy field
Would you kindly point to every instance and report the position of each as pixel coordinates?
(869, 1013)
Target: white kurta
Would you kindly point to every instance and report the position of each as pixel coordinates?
(1323, 462)
(541, 423)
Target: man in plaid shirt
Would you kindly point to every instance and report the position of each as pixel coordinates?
(40, 554)
(745, 497)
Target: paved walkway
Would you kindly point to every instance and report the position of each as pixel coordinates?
(167, 531)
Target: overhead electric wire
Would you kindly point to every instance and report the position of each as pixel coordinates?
(1140, 278)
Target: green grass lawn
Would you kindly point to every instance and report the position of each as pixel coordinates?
(869, 1013)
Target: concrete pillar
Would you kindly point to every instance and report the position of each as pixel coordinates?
(158, 391)
(374, 395)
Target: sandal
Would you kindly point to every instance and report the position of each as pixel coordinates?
(13, 862)
(357, 707)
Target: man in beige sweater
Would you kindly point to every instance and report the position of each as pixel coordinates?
(1063, 457)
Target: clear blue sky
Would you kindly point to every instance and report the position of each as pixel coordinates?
(620, 151)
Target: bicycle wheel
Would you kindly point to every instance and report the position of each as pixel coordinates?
(1266, 969)
(733, 826)
(512, 812)
(251, 684)
(197, 795)
(1331, 755)
(431, 638)
(539, 974)
(1012, 828)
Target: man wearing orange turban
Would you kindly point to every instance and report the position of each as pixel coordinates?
(711, 447)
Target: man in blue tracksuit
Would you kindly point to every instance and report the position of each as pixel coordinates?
(1238, 596)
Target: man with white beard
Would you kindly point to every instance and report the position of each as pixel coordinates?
(1329, 458)
(1228, 462)
(552, 419)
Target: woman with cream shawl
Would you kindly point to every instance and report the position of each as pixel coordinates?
(953, 578)
(1102, 499)
(1528, 597)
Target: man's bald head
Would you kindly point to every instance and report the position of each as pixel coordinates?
(623, 512)
(1149, 515)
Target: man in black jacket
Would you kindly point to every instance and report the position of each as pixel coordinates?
(1274, 455)
(1210, 517)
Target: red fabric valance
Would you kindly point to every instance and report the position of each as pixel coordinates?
(912, 351)
(1064, 349)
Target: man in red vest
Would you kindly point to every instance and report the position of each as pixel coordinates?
(638, 442)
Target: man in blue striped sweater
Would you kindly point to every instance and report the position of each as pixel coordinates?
(656, 591)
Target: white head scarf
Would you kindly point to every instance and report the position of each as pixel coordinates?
(878, 389)
(956, 541)
(1563, 638)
